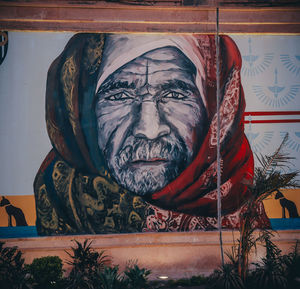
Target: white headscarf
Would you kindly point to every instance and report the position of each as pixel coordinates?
(122, 48)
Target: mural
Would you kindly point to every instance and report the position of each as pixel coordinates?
(13, 213)
(3, 45)
(132, 121)
(132, 125)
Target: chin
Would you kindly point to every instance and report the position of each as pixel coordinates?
(144, 181)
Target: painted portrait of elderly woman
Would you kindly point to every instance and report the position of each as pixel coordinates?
(133, 124)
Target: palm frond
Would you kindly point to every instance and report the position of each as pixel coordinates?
(279, 159)
(269, 177)
(265, 185)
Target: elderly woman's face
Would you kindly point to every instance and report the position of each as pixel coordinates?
(151, 120)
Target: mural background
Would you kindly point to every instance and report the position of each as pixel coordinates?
(271, 81)
(270, 78)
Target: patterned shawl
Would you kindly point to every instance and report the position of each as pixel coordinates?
(74, 190)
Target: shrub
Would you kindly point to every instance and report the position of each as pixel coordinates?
(136, 277)
(12, 271)
(198, 280)
(46, 272)
(86, 264)
(109, 278)
(270, 273)
(226, 277)
(291, 263)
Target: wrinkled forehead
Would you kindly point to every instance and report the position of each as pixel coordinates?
(120, 49)
(161, 59)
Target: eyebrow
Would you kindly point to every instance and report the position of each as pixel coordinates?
(177, 83)
(111, 85)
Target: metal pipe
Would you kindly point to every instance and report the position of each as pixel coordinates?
(219, 204)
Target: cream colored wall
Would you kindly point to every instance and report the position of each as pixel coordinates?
(175, 255)
(24, 142)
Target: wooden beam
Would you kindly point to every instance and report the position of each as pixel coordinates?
(93, 16)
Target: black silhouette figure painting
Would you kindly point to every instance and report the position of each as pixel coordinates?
(287, 204)
(13, 212)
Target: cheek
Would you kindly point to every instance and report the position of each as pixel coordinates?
(186, 119)
(113, 122)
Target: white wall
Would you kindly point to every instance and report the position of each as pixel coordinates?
(279, 53)
(24, 142)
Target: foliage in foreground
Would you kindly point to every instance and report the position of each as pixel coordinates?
(136, 277)
(109, 278)
(273, 270)
(226, 277)
(46, 272)
(272, 174)
(193, 281)
(12, 271)
(86, 263)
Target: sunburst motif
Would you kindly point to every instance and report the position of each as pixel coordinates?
(292, 65)
(293, 141)
(259, 140)
(254, 64)
(271, 100)
(276, 95)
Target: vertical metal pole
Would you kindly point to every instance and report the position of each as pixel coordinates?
(219, 207)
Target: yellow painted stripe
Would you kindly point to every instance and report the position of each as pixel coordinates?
(146, 22)
(165, 6)
(156, 32)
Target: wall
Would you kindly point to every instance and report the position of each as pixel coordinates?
(176, 255)
(268, 62)
(264, 130)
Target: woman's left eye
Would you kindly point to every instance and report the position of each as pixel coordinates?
(174, 95)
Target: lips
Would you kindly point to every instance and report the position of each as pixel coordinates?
(148, 162)
(142, 152)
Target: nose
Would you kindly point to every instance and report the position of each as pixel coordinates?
(149, 123)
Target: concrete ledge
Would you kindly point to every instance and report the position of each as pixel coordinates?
(176, 255)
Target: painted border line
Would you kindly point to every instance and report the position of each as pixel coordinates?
(264, 117)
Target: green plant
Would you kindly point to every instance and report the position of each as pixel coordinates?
(291, 263)
(46, 272)
(270, 273)
(86, 264)
(183, 282)
(12, 272)
(136, 276)
(198, 280)
(269, 177)
(109, 278)
(226, 277)
(193, 281)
